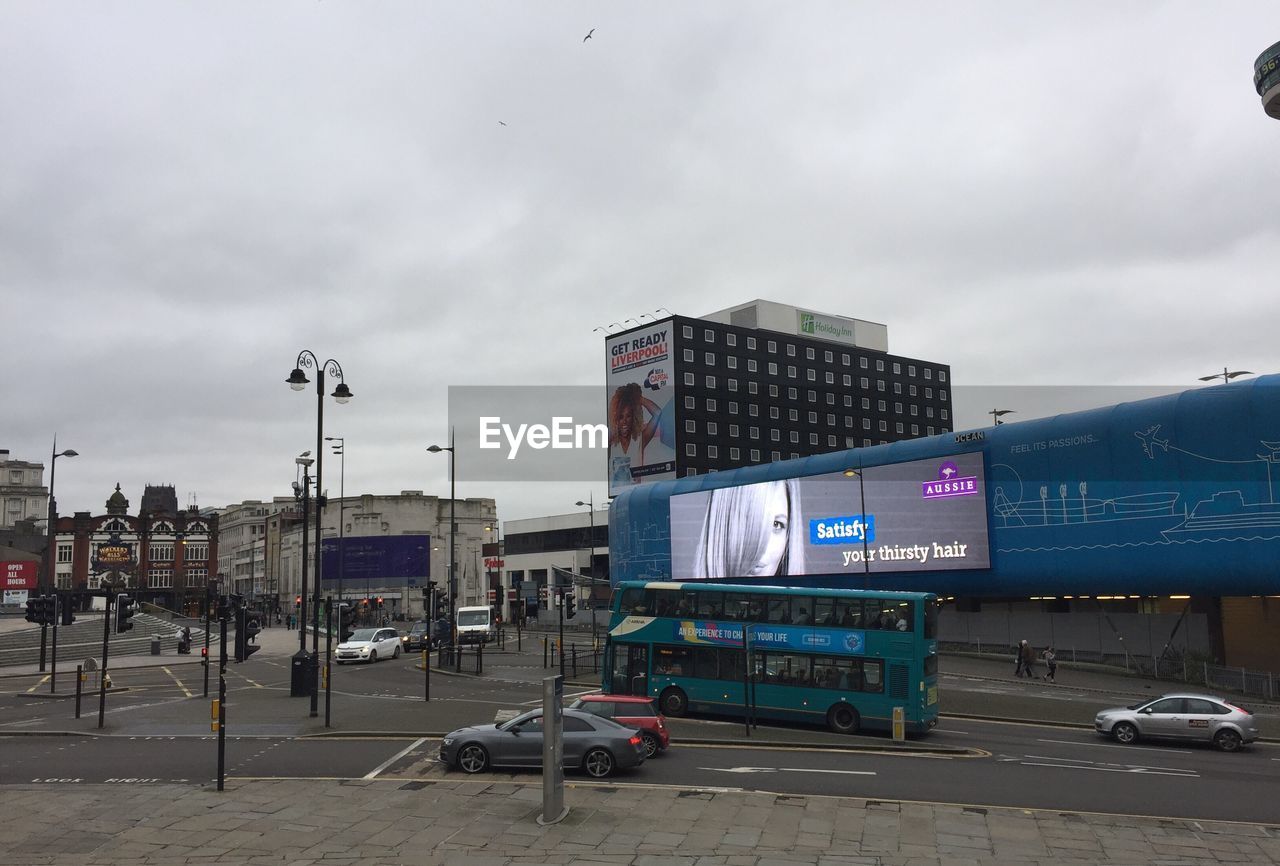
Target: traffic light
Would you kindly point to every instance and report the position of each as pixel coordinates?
(49, 609)
(297, 600)
(570, 602)
(67, 611)
(125, 609)
(33, 610)
(246, 629)
(347, 622)
(222, 610)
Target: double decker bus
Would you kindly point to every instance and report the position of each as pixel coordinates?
(840, 657)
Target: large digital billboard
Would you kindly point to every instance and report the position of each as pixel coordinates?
(387, 561)
(922, 515)
(641, 407)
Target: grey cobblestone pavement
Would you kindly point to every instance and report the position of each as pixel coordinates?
(406, 821)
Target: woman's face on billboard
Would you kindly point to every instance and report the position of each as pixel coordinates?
(777, 519)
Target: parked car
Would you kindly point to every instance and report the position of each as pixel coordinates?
(369, 645)
(597, 745)
(634, 711)
(418, 638)
(1188, 717)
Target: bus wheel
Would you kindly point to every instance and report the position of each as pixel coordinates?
(843, 719)
(674, 702)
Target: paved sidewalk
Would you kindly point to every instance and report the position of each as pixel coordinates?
(403, 821)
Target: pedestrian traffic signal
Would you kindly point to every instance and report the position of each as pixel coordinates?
(347, 623)
(570, 602)
(297, 599)
(49, 609)
(246, 630)
(125, 609)
(33, 610)
(68, 613)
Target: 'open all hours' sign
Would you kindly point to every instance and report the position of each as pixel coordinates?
(18, 575)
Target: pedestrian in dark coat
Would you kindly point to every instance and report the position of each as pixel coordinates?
(1028, 660)
(1017, 657)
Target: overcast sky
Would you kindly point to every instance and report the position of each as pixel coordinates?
(191, 193)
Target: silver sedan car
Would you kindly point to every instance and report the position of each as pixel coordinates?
(596, 745)
(1199, 718)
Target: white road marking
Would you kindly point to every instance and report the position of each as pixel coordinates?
(1108, 764)
(1093, 745)
(1137, 770)
(949, 731)
(373, 774)
(786, 770)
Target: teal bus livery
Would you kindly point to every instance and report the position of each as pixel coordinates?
(840, 657)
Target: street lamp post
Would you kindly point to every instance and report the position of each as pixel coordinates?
(341, 450)
(297, 381)
(50, 557)
(1224, 376)
(591, 560)
(302, 493)
(453, 519)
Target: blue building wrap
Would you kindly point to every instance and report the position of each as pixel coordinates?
(1175, 494)
(386, 560)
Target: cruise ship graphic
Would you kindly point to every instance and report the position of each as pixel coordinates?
(1159, 517)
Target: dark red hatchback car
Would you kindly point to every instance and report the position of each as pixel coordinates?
(636, 712)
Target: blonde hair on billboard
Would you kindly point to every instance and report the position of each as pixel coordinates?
(735, 532)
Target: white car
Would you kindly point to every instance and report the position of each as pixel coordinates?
(369, 645)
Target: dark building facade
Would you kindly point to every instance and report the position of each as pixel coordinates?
(748, 395)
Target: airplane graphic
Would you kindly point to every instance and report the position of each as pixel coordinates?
(1149, 441)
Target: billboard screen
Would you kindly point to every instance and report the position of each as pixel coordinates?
(390, 560)
(922, 515)
(640, 385)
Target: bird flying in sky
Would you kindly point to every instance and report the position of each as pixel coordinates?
(500, 123)
(588, 36)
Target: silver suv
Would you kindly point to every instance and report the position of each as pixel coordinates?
(1202, 718)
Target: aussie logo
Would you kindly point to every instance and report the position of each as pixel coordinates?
(949, 483)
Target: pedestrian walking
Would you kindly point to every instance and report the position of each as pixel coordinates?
(1051, 662)
(1017, 657)
(1028, 660)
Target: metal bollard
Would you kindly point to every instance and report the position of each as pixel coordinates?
(480, 658)
(426, 673)
(544, 652)
(573, 648)
(79, 680)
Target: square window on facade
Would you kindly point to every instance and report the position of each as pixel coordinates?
(690, 426)
(866, 423)
(943, 414)
(772, 347)
(709, 335)
(733, 431)
(773, 390)
(753, 432)
(865, 383)
(751, 342)
(791, 349)
(690, 402)
(773, 411)
(733, 407)
(915, 410)
(688, 356)
(731, 339)
(709, 358)
(847, 380)
(897, 387)
(866, 402)
(897, 369)
(884, 426)
(931, 430)
(751, 365)
(731, 362)
(912, 391)
(755, 455)
(733, 384)
(792, 394)
(866, 443)
(775, 456)
(753, 410)
(828, 357)
(942, 375)
(811, 374)
(711, 381)
(688, 332)
(928, 393)
(928, 411)
(831, 441)
(942, 394)
(733, 454)
(713, 452)
(712, 428)
(915, 429)
(862, 362)
(773, 369)
(775, 435)
(808, 353)
(813, 417)
(793, 414)
(879, 366)
(897, 408)
(831, 420)
(882, 406)
(711, 404)
(688, 379)
(879, 384)
(753, 388)
(813, 438)
(795, 437)
(690, 449)
(899, 426)
(811, 395)
(911, 369)
(791, 372)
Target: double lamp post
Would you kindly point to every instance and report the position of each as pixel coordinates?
(309, 683)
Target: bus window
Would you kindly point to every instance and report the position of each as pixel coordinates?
(704, 663)
(759, 609)
(711, 605)
(906, 620)
(673, 661)
(633, 602)
(732, 663)
(786, 670)
(931, 619)
(872, 676)
(665, 602)
(824, 611)
(885, 617)
(849, 614)
(778, 609)
(931, 665)
(686, 603)
(736, 605)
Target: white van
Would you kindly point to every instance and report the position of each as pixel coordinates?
(475, 625)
